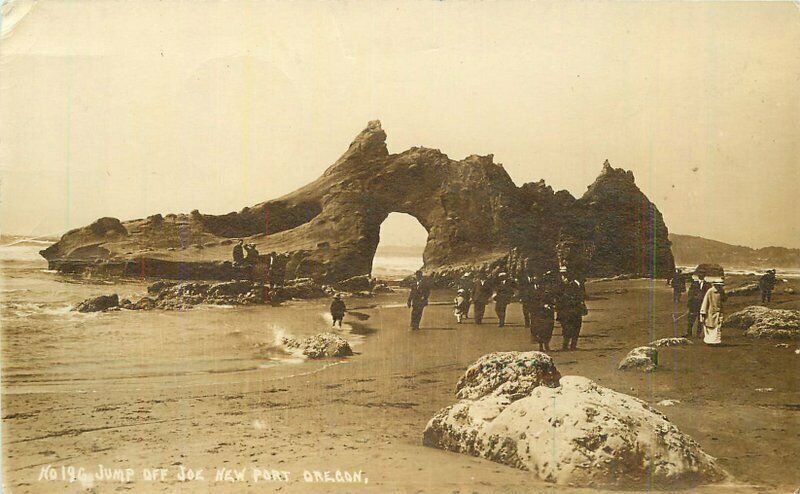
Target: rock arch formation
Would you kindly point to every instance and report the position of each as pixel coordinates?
(329, 229)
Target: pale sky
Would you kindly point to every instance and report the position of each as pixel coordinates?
(127, 109)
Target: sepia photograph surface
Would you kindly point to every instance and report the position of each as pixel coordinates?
(399, 247)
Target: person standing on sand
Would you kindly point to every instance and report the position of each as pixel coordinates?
(571, 309)
(481, 293)
(238, 253)
(418, 299)
(502, 297)
(540, 302)
(711, 314)
(337, 310)
(465, 283)
(767, 283)
(678, 285)
(697, 292)
(460, 306)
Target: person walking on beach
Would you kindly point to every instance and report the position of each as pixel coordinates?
(337, 310)
(711, 314)
(465, 283)
(767, 283)
(571, 308)
(678, 285)
(697, 292)
(540, 301)
(418, 299)
(481, 293)
(238, 253)
(460, 306)
(502, 297)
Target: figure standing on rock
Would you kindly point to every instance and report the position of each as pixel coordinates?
(418, 299)
(571, 308)
(338, 309)
(697, 292)
(481, 293)
(504, 292)
(238, 253)
(711, 314)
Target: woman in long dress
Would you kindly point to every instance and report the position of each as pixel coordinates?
(711, 314)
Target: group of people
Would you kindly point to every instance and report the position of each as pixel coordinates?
(543, 298)
(274, 265)
(244, 254)
(706, 302)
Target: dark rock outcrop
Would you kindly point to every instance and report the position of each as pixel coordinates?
(98, 304)
(328, 230)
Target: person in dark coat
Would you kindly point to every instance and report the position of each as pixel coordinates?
(251, 258)
(481, 294)
(337, 309)
(538, 308)
(238, 253)
(678, 285)
(504, 292)
(767, 283)
(418, 299)
(571, 309)
(697, 292)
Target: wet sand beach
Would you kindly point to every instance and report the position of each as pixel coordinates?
(222, 397)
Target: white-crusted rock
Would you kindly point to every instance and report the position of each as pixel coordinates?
(667, 342)
(507, 373)
(319, 346)
(762, 322)
(579, 433)
(644, 358)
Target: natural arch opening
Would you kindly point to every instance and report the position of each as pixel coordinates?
(402, 242)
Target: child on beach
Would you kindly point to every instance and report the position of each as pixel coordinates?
(337, 309)
(461, 305)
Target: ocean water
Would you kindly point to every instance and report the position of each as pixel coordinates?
(48, 347)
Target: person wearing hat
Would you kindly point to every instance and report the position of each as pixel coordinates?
(337, 309)
(465, 283)
(571, 308)
(418, 299)
(537, 309)
(697, 292)
(678, 285)
(502, 297)
(238, 253)
(481, 293)
(711, 314)
(766, 284)
(460, 305)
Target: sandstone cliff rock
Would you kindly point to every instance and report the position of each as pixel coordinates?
(569, 432)
(329, 229)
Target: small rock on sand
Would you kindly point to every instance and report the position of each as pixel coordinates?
(667, 342)
(644, 358)
(323, 345)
